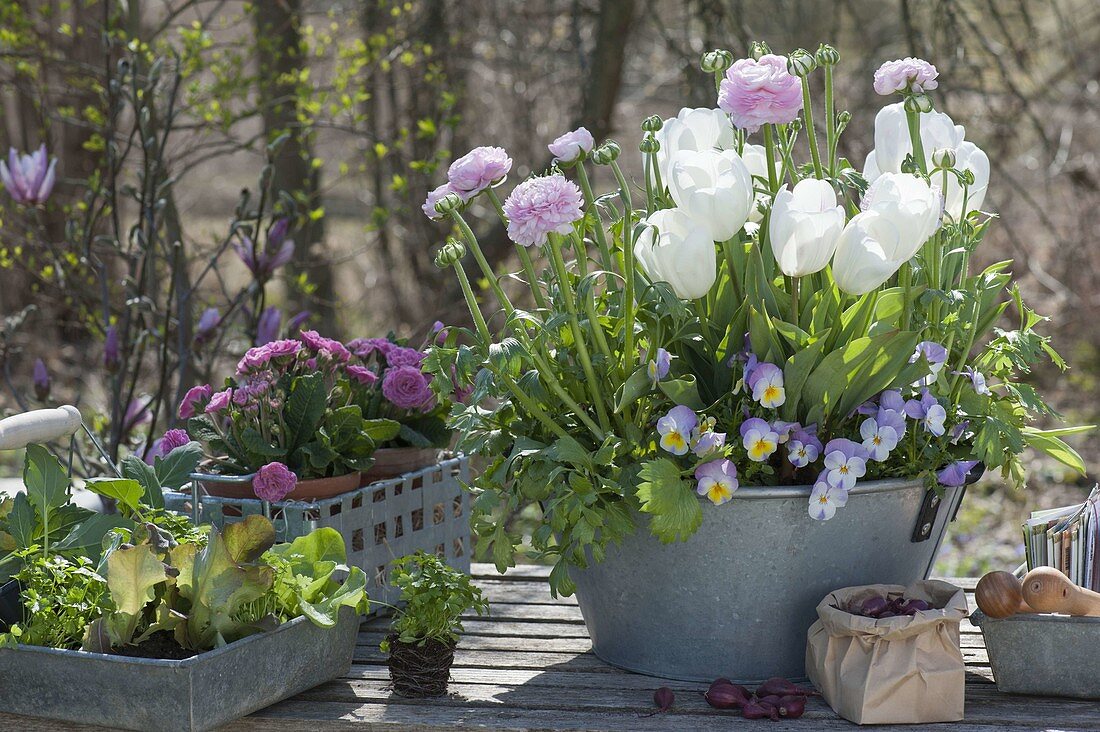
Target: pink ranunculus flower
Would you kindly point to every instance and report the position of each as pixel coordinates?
(361, 375)
(540, 206)
(572, 146)
(195, 399)
(407, 388)
(219, 401)
(435, 197)
(756, 93)
(906, 74)
(273, 482)
(477, 170)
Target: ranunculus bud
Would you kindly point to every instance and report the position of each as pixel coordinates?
(652, 123)
(450, 253)
(448, 203)
(795, 125)
(968, 177)
(758, 49)
(800, 63)
(716, 61)
(842, 120)
(918, 103)
(649, 144)
(943, 158)
(606, 153)
(827, 55)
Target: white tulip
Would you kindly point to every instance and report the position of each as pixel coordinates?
(910, 205)
(676, 249)
(968, 156)
(892, 141)
(862, 261)
(714, 188)
(805, 225)
(756, 160)
(695, 130)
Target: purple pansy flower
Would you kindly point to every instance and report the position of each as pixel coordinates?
(826, 499)
(759, 439)
(935, 355)
(766, 383)
(477, 170)
(675, 429)
(928, 411)
(845, 462)
(977, 380)
(273, 482)
(717, 480)
(29, 179)
(705, 441)
(541, 206)
(954, 475)
(658, 366)
(803, 447)
(878, 439)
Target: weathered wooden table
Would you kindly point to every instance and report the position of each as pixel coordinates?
(529, 667)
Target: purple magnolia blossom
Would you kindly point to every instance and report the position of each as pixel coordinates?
(219, 401)
(263, 261)
(477, 170)
(928, 411)
(675, 429)
(137, 413)
(112, 357)
(845, 462)
(361, 375)
(365, 347)
(166, 444)
(41, 378)
(29, 179)
(273, 482)
(803, 447)
(954, 475)
(540, 206)
(295, 323)
(935, 355)
(260, 356)
(762, 92)
(658, 366)
(905, 75)
(572, 146)
(407, 388)
(326, 348)
(402, 356)
(717, 480)
(208, 323)
(267, 329)
(433, 198)
(758, 439)
(194, 400)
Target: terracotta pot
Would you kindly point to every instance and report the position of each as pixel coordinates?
(390, 462)
(306, 490)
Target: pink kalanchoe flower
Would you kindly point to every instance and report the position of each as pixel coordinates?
(273, 482)
(433, 198)
(327, 347)
(401, 356)
(365, 347)
(407, 388)
(361, 375)
(166, 444)
(477, 170)
(540, 206)
(219, 401)
(572, 146)
(29, 179)
(906, 74)
(763, 92)
(195, 399)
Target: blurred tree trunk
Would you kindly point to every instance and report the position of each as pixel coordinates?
(281, 61)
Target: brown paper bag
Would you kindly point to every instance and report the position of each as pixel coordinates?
(907, 669)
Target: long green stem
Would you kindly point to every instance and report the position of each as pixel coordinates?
(588, 302)
(808, 114)
(830, 120)
(590, 203)
(769, 149)
(471, 302)
(578, 335)
(475, 249)
(913, 118)
(524, 255)
(906, 277)
(794, 301)
(628, 269)
(531, 405)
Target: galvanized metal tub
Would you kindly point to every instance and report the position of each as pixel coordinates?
(1044, 655)
(737, 598)
(191, 695)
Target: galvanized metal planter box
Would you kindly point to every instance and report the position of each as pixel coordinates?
(425, 509)
(1043, 655)
(191, 695)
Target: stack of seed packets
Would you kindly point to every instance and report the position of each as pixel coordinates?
(1066, 538)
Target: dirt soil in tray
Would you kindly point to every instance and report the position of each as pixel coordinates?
(159, 645)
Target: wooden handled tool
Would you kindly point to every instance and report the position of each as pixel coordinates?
(40, 425)
(1049, 591)
(1000, 595)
